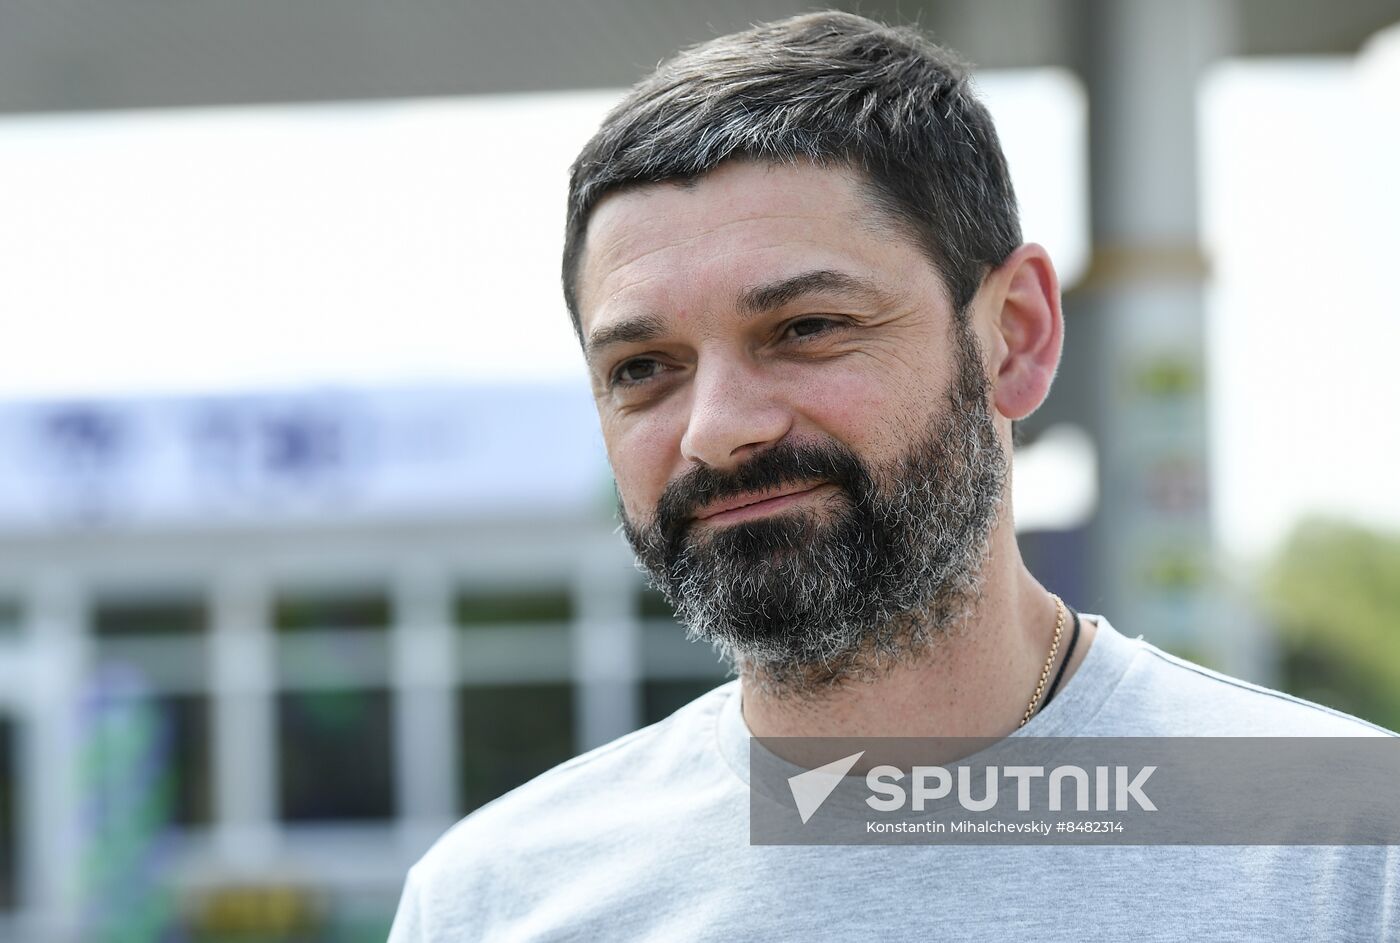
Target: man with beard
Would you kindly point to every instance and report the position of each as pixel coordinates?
(801, 599)
(794, 265)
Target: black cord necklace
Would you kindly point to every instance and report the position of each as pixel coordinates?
(1069, 653)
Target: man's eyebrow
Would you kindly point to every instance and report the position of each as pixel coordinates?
(756, 300)
(763, 298)
(643, 327)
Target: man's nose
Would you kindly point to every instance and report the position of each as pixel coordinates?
(734, 414)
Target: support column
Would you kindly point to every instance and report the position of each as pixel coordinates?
(243, 677)
(50, 826)
(1143, 299)
(423, 679)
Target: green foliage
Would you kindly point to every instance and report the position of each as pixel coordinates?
(1333, 590)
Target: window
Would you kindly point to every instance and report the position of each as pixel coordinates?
(147, 730)
(510, 734)
(335, 727)
(146, 760)
(518, 634)
(336, 755)
(150, 616)
(513, 607)
(311, 611)
(160, 638)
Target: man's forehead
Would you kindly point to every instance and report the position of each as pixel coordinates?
(737, 207)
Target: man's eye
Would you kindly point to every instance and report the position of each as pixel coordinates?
(810, 327)
(633, 372)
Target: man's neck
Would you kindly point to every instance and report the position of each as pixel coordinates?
(975, 681)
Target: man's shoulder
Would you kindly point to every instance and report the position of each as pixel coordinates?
(1161, 694)
(593, 794)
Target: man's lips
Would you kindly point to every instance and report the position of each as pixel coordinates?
(754, 503)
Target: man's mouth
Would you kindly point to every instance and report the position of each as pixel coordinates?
(755, 504)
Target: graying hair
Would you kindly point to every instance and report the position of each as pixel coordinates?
(828, 88)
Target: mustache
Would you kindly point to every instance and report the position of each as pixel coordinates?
(787, 463)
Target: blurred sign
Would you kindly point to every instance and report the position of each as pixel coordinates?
(258, 912)
(267, 458)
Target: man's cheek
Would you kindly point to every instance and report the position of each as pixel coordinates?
(640, 513)
(639, 480)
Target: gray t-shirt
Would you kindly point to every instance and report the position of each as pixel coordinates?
(647, 838)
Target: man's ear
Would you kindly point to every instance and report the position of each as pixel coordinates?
(1030, 328)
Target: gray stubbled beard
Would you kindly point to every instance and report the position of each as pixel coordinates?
(801, 601)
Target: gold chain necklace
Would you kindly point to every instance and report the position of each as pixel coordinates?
(1045, 672)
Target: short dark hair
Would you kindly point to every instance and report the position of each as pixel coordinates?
(830, 88)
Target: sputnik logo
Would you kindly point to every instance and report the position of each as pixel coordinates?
(812, 788)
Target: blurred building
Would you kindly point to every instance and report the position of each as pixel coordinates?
(257, 652)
